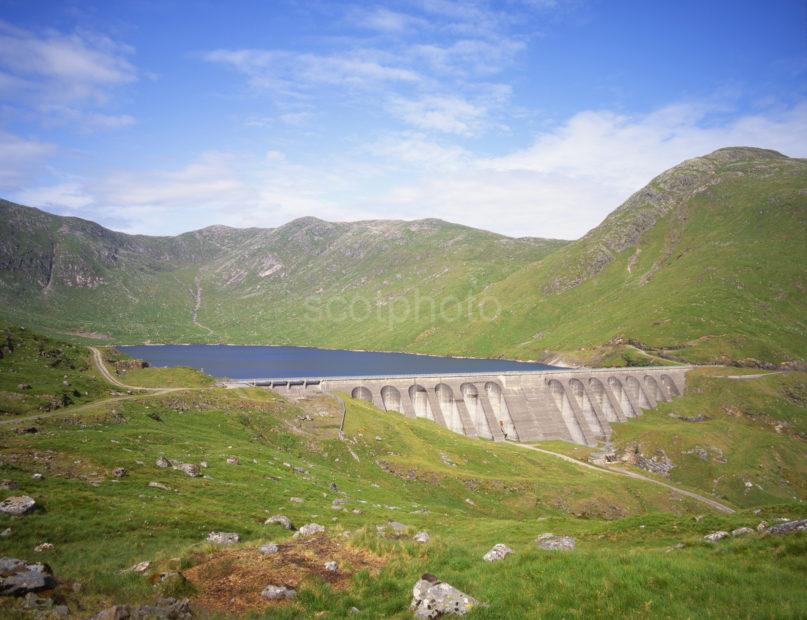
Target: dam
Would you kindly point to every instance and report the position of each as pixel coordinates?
(575, 405)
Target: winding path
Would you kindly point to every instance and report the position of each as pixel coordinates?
(629, 474)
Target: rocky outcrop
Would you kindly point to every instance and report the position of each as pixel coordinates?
(551, 542)
(223, 538)
(432, 598)
(18, 578)
(789, 527)
(498, 552)
(18, 505)
(274, 593)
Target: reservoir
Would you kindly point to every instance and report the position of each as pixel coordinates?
(281, 362)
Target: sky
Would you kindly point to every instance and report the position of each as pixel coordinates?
(524, 117)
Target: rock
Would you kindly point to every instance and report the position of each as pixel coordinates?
(32, 601)
(233, 460)
(280, 520)
(398, 529)
(421, 537)
(498, 552)
(190, 469)
(9, 485)
(19, 577)
(269, 548)
(354, 611)
(45, 546)
(119, 472)
(309, 529)
(338, 503)
(331, 566)
(223, 538)
(163, 463)
(296, 500)
(17, 505)
(141, 567)
(5, 533)
(432, 598)
(715, 536)
(159, 485)
(550, 542)
(789, 527)
(274, 593)
(36, 476)
(763, 525)
(164, 609)
(24, 386)
(742, 531)
(116, 612)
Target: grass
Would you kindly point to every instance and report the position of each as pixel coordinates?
(468, 494)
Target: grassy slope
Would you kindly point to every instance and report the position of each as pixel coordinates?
(100, 525)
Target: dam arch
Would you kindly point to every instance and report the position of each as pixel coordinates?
(670, 387)
(586, 408)
(391, 398)
(500, 411)
(597, 390)
(635, 391)
(445, 397)
(420, 402)
(652, 388)
(470, 394)
(621, 397)
(564, 405)
(362, 393)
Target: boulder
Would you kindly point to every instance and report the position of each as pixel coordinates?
(742, 531)
(762, 526)
(233, 460)
(551, 542)
(119, 472)
(309, 529)
(19, 577)
(9, 485)
(24, 386)
(223, 538)
(190, 469)
(159, 485)
(498, 552)
(269, 548)
(141, 567)
(17, 505)
(421, 537)
(280, 520)
(432, 598)
(331, 566)
(274, 593)
(163, 463)
(163, 609)
(715, 536)
(296, 500)
(45, 546)
(789, 527)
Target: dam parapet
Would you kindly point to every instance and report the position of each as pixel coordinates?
(575, 405)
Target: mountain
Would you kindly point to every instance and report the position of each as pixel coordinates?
(704, 264)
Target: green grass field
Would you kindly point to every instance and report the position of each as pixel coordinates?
(639, 551)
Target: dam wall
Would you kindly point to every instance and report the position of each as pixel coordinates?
(575, 405)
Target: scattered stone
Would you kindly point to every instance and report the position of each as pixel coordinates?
(498, 552)
(470, 502)
(715, 536)
(163, 609)
(269, 548)
(32, 601)
(763, 525)
(141, 567)
(9, 485)
(398, 529)
(45, 546)
(338, 503)
(223, 538)
(159, 485)
(280, 520)
(19, 577)
(550, 542)
(5, 533)
(163, 463)
(24, 386)
(309, 529)
(17, 505)
(789, 527)
(36, 476)
(274, 593)
(233, 460)
(331, 566)
(119, 472)
(296, 500)
(203, 464)
(354, 611)
(421, 537)
(194, 471)
(742, 531)
(432, 598)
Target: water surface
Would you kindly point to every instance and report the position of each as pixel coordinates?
(269, 362)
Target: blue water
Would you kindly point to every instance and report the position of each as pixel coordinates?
(263, 362)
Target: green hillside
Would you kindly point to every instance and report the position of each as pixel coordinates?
(639, 546)
(705, 264)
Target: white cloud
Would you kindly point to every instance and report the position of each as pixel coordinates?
(68, 197)
(20, 159)
(384, 20)
(447, 114)
(56, 67)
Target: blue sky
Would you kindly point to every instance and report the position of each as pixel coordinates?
(527, 117)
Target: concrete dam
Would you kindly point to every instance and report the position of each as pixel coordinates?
(576, 405)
